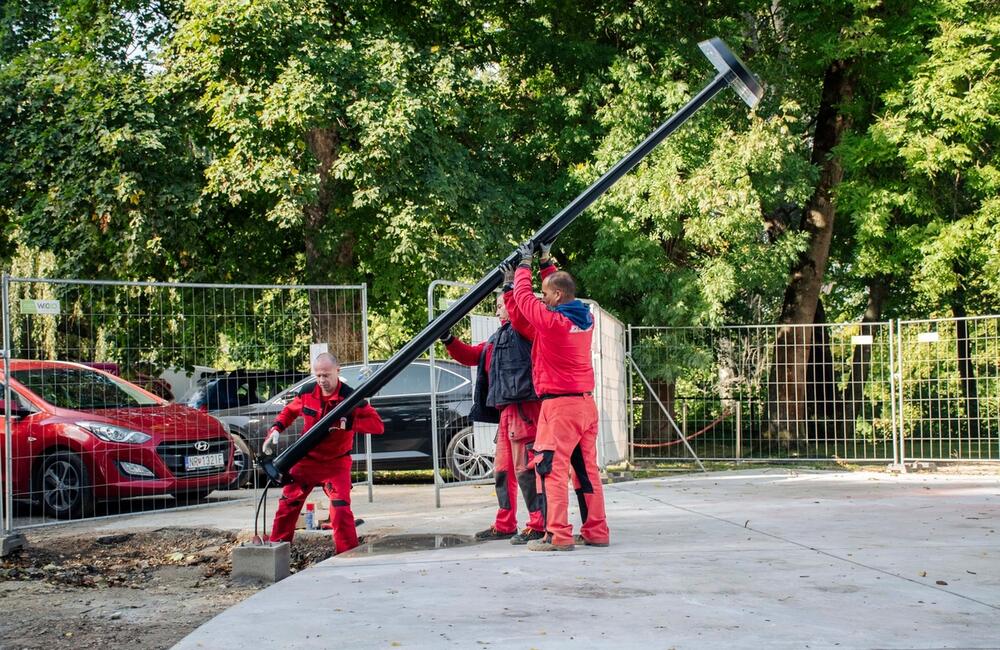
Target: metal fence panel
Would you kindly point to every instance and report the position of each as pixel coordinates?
(949, 372)
(121, 388)
(463, 450)
(465, 453)
(735, 393)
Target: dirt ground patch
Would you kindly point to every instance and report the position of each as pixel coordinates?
(146, 588)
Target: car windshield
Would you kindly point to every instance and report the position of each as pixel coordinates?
(80, 389)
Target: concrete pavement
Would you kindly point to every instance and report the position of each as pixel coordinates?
(742, 559)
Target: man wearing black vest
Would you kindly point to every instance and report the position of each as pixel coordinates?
(504, 394)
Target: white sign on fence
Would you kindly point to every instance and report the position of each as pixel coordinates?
(316, 349)
(29, 306)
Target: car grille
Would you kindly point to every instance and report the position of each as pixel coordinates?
(173, 454)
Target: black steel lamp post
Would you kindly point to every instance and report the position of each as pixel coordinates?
(732, 72)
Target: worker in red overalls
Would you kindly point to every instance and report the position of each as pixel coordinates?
(563, 376)
(328, 463)
(504, 395)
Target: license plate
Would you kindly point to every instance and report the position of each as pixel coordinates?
(203, 462)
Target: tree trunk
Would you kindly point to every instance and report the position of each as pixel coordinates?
(335, 315)
(852, 398)
(967, 371)
(654, 425)
(821, 382)
(787, 387)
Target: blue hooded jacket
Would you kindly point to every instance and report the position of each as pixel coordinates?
(577, 312)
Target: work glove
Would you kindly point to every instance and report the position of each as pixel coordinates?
(508, 278)
(526, 251)
(545, 253)
(447, 337)
(508, 267)
(271, 442)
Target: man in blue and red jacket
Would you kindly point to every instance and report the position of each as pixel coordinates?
(329, 462)
(563, 376)
(504, 395)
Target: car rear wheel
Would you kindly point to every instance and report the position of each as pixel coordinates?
(465, 463)
(242, 463)
(64, 486)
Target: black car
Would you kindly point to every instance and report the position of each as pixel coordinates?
(404, 405)
(231, 389)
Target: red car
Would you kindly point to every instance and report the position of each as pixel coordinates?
(80, 435)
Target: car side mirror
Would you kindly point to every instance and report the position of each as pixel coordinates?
(15, 410)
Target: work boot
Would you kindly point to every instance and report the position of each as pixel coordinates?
(492, 533)
(526, 535)
(545, 544)
(580, 539)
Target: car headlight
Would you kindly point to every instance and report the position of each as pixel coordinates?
(112, 433)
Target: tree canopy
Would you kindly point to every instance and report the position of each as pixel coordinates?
(393, 143)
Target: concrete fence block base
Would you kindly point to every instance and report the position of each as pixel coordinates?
(268, 562)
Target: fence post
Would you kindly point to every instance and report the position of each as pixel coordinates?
(435, 450)
(901, 445)
(893, 378)
(739, 427)
(629, 414)
(364, 363)
(9, 540)
(5, 507)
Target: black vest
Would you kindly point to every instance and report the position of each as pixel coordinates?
(481, 412)
(510, 369)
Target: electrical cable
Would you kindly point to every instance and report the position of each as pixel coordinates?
(256, 517)
(709, 426)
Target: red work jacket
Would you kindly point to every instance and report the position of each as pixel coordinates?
(560, 351)
(314, 405)
(520, 324)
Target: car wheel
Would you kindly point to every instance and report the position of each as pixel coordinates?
(465, 463)
(64, 486)
(242, 463)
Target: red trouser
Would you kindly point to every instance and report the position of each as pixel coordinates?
(335, 477)
(513, 466)
(568, 428)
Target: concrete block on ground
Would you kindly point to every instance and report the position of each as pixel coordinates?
(11, 543)
(268, 562)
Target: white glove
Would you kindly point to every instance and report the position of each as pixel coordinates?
(271, 442)
(545, 252)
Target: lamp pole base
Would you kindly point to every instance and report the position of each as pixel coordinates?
(272, 472)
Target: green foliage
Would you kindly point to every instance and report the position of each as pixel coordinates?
(922, 180)
(92, 167)
(397, 142)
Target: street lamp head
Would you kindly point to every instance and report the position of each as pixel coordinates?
(737, 74)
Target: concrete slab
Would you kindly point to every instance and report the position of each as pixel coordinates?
(750, 559)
